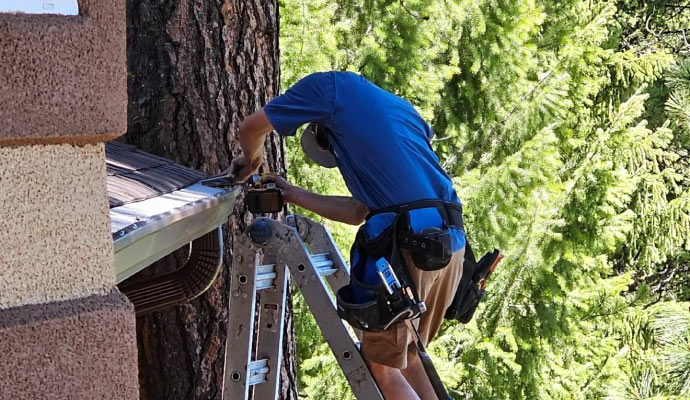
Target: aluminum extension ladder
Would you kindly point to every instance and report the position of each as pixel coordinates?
(262, 257)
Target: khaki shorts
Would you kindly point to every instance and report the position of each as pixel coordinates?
(436, 289)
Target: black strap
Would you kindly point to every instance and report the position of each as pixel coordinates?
(450, 212)
(469, 254)
(428, 365)
(397, 259)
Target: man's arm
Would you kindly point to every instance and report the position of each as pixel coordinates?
(337, 208)
(253, 131)
(308, 100)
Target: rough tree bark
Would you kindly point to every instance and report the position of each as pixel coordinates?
(196, 69)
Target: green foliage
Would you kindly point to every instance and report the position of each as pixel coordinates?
(678, 104)
(672, 330)
(566, 128)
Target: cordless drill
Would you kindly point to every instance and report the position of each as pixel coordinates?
(263, 197)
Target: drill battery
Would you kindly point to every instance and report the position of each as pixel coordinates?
(263, 197)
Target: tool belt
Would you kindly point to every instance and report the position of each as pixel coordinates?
(429, 249)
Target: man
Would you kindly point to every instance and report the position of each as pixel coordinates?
(381, 146)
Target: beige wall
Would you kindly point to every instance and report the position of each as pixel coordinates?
(63, 79)
(66, 332)
(54, 224)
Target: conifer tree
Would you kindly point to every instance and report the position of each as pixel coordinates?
(551, 118)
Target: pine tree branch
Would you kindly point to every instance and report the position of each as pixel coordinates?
(673, 32)
(599, 368)
(683, 7)
(413, 15)
(441, 139)
(515, 107)
(610, 312)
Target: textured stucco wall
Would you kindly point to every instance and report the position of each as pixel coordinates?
(54, 224)
(63, 79)
(81, 349)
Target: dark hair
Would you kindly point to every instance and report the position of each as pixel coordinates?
(322, 133)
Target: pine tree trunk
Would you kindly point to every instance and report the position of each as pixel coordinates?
(196, 69)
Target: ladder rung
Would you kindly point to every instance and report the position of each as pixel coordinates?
(319, 257)
(323, 264)
(263, 269)
(327, 271)
(264, 276)
(266, 273)
(257, 371)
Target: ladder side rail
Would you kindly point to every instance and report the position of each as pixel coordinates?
(271, 329)
(320, 241)
(293, 252)
(238, 346)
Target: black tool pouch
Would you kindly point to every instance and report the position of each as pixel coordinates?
(370, 316)
(430, 249)
(470, 291)
(467, 296)
(383, 309)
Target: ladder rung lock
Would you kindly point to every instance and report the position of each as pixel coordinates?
(266, 276)
(323, 264)
(261, 285)
(262, 269)
(255, 365)
(327, 271)
(260, 371)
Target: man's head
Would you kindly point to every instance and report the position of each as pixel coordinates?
(316, 145)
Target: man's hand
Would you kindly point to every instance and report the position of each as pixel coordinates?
(253, 130)
(241, 168)
(289, 190)
(336, 208)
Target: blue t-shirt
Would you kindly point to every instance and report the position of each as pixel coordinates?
(381, 143)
